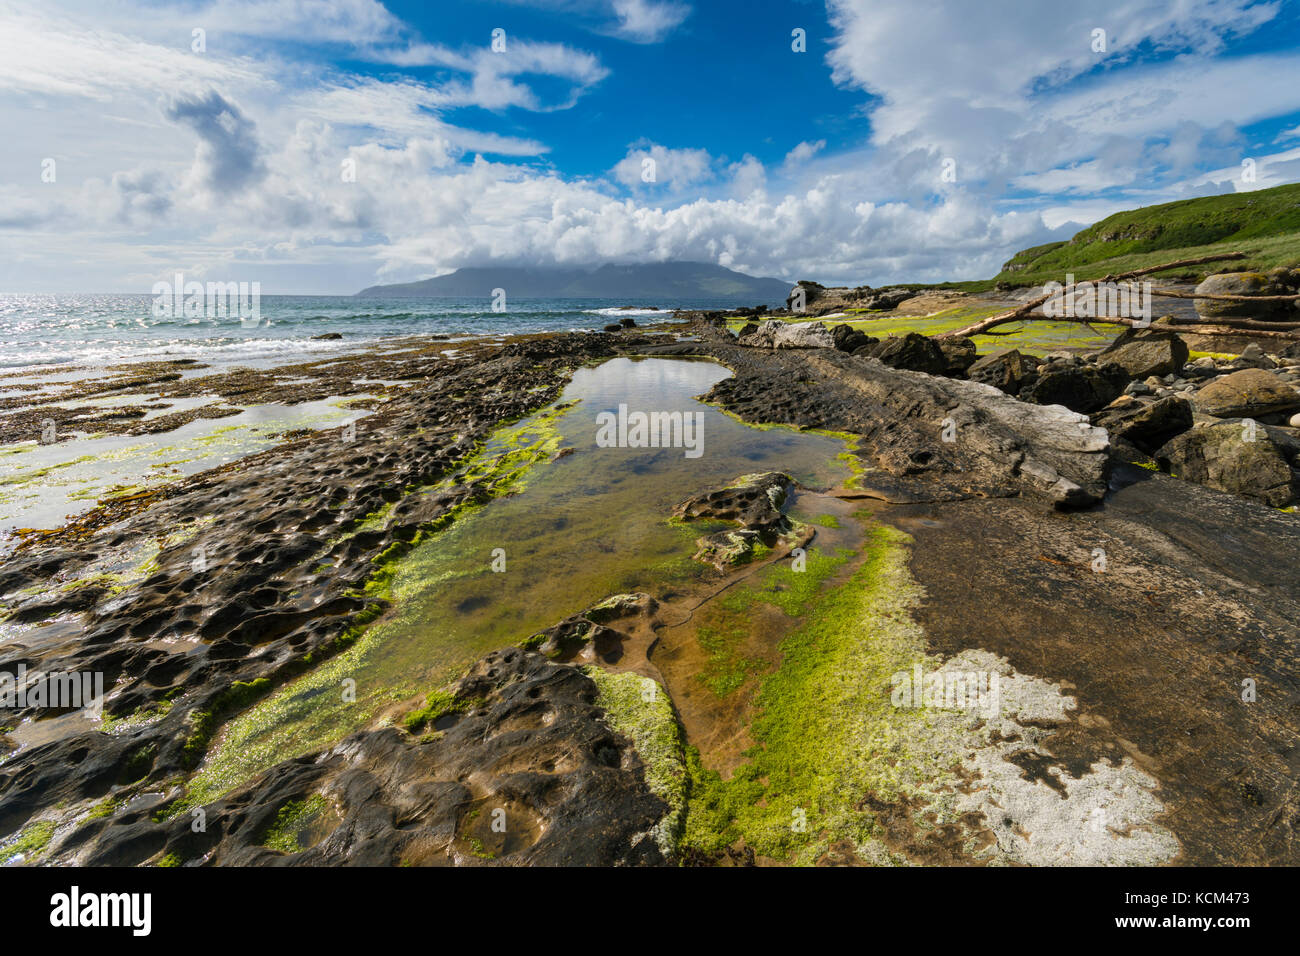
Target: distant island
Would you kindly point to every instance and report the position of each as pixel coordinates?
(661, 280)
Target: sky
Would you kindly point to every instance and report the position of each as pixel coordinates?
(321, 146)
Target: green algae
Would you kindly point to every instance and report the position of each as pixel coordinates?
(31, 843)
(1034, 337)
(40, 488)
(105, 808)
(288, 833)
(726, 670)
(826, 733)
(638, 708)
(203, 723)
(34, 477)
(724, 625)
(439, 704)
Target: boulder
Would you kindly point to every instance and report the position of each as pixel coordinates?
(1008, 370)
(849, 339)
(803, 335)
(1243, 283)
(752, 501)
(1252, 356)
(1238, 457)
(913, 351)
(613, 327)
(1143, 352)
(775, 334)
(1080, 388)
(1148, 425)
(806, 289)
(627, 322)
(1252, 392)
(960, 353)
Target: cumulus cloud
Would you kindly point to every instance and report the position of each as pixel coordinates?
(654, 165)
(227, 156)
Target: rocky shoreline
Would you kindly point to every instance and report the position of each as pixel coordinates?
(1009, 473)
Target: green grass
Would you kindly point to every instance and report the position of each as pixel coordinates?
(1264, 224)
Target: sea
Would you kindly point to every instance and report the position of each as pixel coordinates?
(99, 330)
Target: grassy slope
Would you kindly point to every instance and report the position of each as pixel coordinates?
(1264, 224)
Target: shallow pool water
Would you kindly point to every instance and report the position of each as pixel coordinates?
(41, 486)
(590, 523)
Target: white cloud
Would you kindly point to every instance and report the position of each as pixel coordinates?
(1018, 90)
(648, 21)
(654, 165)
(804, 152)
(149, 136)
(395, 110)
(492, 74)
(44, 58)
(637, 21)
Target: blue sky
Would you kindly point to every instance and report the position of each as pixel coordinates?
(322, 146)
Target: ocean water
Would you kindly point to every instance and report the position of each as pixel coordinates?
(108, 329)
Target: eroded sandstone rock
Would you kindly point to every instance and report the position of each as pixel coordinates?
(1237, 457)
(1251, 393)
(1145, 352)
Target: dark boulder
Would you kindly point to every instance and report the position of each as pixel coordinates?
(1080, 388)
(1277, 282)
(912, 351)
(1146, 352)
(849, 339)
(1148, 425)
(960, 353)
(887, 298)
(1009, 370)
